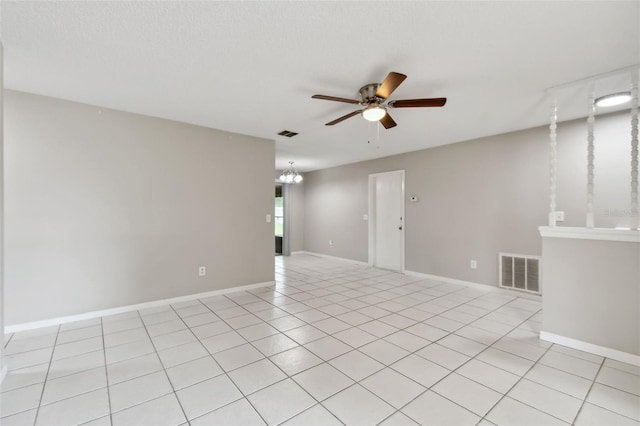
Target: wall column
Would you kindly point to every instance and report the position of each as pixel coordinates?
(590, 159)
(3, 367)
(553, 160)
(635, 207)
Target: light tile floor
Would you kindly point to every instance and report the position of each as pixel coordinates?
(331, 343)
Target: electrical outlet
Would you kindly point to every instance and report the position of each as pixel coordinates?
(474, 264)
(559, 216)
(202, 271)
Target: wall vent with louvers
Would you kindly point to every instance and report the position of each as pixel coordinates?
(520, 272)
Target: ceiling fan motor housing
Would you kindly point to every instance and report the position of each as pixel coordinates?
(368, 94)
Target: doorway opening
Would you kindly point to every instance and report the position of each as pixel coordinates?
(281, 220)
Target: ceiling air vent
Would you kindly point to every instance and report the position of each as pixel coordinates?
(287, 133)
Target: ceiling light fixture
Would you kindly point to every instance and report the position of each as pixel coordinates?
(290, 175)
(374, 113)
(613, 99)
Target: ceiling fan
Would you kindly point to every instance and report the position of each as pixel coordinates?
(375, 101)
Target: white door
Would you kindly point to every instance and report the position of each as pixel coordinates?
(386, 226)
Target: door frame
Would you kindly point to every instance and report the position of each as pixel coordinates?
(372, 217)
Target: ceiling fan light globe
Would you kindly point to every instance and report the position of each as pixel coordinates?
(283, 178)
(298, 178)
(374, 113)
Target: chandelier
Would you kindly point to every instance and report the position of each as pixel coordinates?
(290, 175)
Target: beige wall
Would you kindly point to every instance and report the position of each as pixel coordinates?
(105, 208)
(592, 293)
(297, 217)
(476, 198)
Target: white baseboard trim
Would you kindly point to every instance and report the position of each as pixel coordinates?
(591, 348)
(112, 311)
(478, 286)
(450, 280)
(326, 256)
(3, 373)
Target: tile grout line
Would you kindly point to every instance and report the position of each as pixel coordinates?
(516, 384)
(593, 382)
(71, 374)
(8, 340)
(453, 332)
(218, 364)
(430, 388)
(44, 384)
(609, 409)
(106, 372)
(164, 369)
(287, 376)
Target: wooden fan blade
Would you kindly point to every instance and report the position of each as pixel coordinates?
(390, 84)
(344, 117)
(387, 121)
(418, 103)
(333, 98)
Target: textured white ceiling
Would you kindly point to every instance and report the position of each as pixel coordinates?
(251, 67)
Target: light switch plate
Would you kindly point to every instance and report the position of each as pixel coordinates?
(268, 218)
(559, 216)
